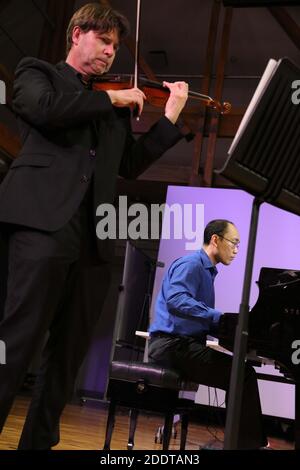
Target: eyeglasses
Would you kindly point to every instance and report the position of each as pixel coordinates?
(233, 244)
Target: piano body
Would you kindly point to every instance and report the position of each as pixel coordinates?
(274, 321)
(274, 325)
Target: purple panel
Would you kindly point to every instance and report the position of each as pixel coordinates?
(277, 240)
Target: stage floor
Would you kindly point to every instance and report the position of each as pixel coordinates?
(83, 428)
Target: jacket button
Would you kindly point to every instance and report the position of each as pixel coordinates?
(92, 153)
(84, 179)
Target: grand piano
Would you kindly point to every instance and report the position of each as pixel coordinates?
(274, 325)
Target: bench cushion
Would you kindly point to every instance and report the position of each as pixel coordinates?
(153, 374)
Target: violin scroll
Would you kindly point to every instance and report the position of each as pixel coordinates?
(222, 108)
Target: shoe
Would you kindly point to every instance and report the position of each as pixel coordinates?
(267, 447)
(215, 444)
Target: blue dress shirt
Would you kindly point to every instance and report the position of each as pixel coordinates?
(185, 303)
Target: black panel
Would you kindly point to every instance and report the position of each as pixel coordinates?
(265, 161)
(260, 3)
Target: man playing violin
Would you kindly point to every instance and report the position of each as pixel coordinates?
(76, 141)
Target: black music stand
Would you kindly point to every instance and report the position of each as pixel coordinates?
(264, 159)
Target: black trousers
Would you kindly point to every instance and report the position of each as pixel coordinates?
(55, 285)
(205, 366)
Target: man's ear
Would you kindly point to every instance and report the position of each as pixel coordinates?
(76, 34)
(214, 239)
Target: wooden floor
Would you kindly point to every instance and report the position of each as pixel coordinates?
(83, 428)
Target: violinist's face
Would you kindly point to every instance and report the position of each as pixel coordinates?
(93, 53)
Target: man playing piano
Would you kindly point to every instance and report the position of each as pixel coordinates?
(185, 315)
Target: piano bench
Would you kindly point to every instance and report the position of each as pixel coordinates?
(150, 387)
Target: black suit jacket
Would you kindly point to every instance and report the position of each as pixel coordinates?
(70, 133)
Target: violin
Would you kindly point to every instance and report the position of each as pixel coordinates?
(156, 94)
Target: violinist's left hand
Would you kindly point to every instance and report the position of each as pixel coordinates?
(177, 99)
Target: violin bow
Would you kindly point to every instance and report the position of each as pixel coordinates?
(137, 38)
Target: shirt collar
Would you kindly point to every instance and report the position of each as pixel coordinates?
(75, 74)
(86, 83)
(206, 261)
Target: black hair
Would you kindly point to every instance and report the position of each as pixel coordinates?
(215, 227)
(100, 18)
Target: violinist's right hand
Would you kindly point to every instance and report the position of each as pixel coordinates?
(131, 97)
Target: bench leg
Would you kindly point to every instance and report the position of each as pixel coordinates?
(110, 425)
(167, 430)
(132, 427)
(184, 429)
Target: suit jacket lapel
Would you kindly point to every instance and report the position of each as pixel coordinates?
(67, 72)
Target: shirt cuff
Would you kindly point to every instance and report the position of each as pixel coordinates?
(215, 320)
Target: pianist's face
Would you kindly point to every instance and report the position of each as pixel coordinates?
(227, 245)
